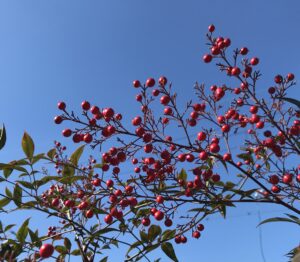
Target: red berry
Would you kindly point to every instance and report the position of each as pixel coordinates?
(96, 182)
(290, 77)
(274, 179)
(237, 90)
(287, 178)
(155, 92)
(67, 132)
(214, 148)
(244, 51)
(203, 155)
(211, 28)
(219, 93)
(207, 58)
(253, 109)
(244, 85)
(109, 183)
(88, 138)
(164, 100)
(148, 148)
(271, 90)
(136, 121)
(235, 71)
(108, 219)
(147, 137)
(46, 250)
(61, 105)
(139, 98)
(80, 194)
(162, 80)
(150, 82)
(159, 215)
(177, 239)
(215, 50)
(227, 157)
(128, 189)
(275, 189)
(69, 203)
(200, 227)
(58, 120)
(260, 125)
(215, 178)
(196, 234)
(194, 115)
(133, 201)
(89, 213)
(55, 202)
(83, 205)
(183, 239)
(254, 61)
(201, 136)
(192, 122)
(108, 112)
(95, 110)
(278, 79)
(85, 105)
(190, 158)
(227, 42)
(136, 83)
(168, 111)
(168, 222)
(181, 157)
(159, 199)
(146, 221)
(225, 128)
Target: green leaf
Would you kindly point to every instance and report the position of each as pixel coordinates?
(133, 246)
(245, 156)
(47, 179)
(2, 137)
(182, 175)
(151, 247)
(4, 202)
(144, 236)
(76, 252)
(68, 170)
(51, 153)
(17, 197)
(67, 244)
(105, 230)
(26, 184)
(8, 193)
(7, 172)
(76, 155)
(168, 234)
(70, 180)
(296, 219)
(104, 259)
(278, 219)
(23, 231)
(28, 145)
(34, 238)
(168, 249)
(153, 232)
(8, 227)
(37, 158)
(291, 100)
(61, 249)
(98, 166)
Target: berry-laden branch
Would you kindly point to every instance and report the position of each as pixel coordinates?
(170, 184)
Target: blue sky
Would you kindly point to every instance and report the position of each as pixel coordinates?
(77, 50)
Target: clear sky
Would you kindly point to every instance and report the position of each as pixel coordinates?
(75, 50)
